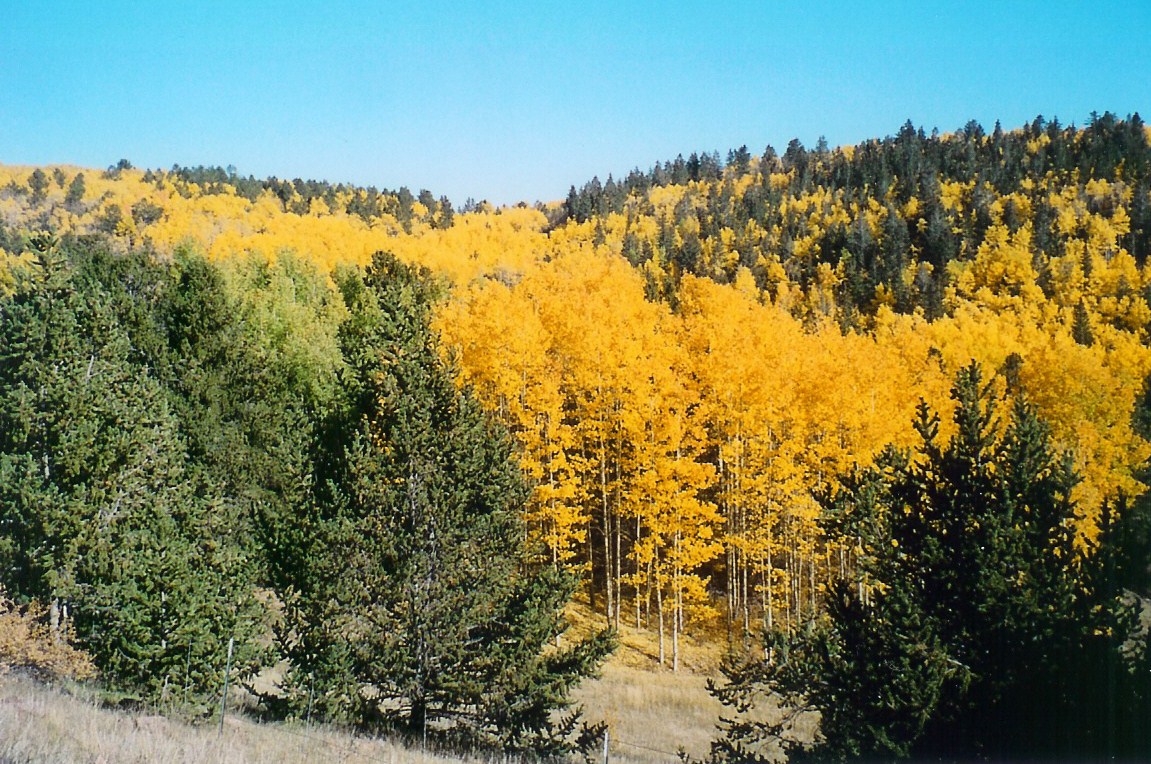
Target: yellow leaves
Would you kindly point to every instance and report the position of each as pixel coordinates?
(911, 209)
(884, 298)
(774, 275)
(1019, 204)
(744, 182)
(821, 294)
(779, 181)
(1002, 275)
(1035, 144)
(664, 199)
(1087, 395)
(731, 406)
(1066, 280)
(481, 243)
(27, 642)
(955, 195)
(319, 208)
(10, 266)
(744, 284)
(1102, 193)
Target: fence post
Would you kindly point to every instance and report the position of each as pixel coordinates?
(311, 697)
(227, 673)
(187, 674)
(606, 738)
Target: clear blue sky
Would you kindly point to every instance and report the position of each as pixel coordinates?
(510, 101)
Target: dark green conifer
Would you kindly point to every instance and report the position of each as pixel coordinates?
(75, 193)
(38, 183)
(974, 628)
(105, 515)
(1081, 325)
(417, 605)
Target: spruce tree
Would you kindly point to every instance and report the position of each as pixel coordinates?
(75, 193)
(975, 628)
(38, 183)
(417, 604)
(103, 515)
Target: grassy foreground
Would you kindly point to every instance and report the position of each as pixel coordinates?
(650, 711)
(44, 724)
(38, 723)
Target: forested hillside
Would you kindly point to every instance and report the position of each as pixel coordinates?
(694, 364)
(767, 323)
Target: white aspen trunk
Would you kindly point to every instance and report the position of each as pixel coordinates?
(768, 583)
(677, 617)
(659, 607)
(677, 608)
(811, 586)
(638, 620)
(54, 619)
(609, 591)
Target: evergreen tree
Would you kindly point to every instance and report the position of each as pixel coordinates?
(1081, 325)
(419, 607)
(447, 213)
(38, 183)
(404, 202)
(106, 520)
(975, 629)
(75, 193)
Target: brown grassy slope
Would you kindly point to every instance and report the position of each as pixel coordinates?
(644, 709)
(653, 713)
(45, 725)
(650, 711)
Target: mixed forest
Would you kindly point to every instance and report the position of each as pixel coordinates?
(838, 407)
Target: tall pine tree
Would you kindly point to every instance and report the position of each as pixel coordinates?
(974, 629)
(102, 515)
(420, 607)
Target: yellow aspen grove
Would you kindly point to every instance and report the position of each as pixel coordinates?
(677, 530)
(691, 359)
(505, 353)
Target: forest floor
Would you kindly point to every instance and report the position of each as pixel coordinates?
(652, 713)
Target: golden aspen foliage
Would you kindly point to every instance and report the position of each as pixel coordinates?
(1001, 276)
(687, 370)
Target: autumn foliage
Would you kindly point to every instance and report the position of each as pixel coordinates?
(688, 357)
(30, 642)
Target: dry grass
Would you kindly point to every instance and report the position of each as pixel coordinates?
(651, 713)
(42, 724)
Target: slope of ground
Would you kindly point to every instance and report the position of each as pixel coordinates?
(652, 713)
(45, 725)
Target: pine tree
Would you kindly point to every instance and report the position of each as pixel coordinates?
(420, 585)
(38, 183)
(105, 518)
(75, 192)
(976, 629)
(1081, 325)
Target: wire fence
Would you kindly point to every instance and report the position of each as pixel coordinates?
(675, 755)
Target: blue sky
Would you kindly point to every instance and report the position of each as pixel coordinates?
(516, 101)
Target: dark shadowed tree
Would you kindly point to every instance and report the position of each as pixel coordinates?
(974, 628)
(416, 603)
